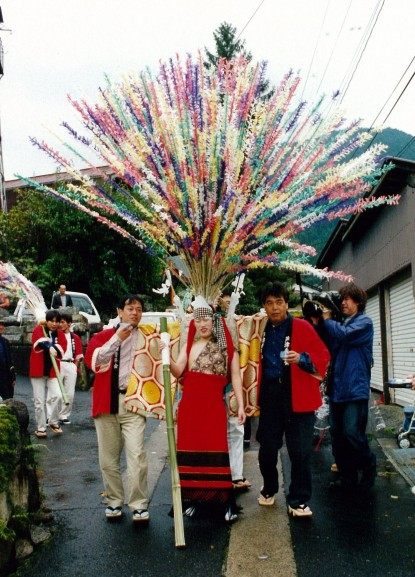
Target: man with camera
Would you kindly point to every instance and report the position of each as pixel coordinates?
(349, 389)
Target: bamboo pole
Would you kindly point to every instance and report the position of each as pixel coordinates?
(58, 375)
(175, 480)
(65, 399)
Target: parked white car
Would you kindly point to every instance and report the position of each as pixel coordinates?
(148, 318)
(83, 303)
(153, 317)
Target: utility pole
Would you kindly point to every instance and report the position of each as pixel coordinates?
(3, 199)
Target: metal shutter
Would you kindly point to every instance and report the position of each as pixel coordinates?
(372, 310)
(402, 313)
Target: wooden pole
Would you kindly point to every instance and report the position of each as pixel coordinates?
(175, 479)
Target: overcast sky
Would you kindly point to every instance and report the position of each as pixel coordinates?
(60, 47)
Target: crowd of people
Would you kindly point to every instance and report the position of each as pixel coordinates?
(297, 355)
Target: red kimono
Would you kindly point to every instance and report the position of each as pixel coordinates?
(202, 443)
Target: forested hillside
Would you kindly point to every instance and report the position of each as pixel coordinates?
(399, 144)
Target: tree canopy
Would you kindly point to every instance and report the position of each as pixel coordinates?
(52, 243)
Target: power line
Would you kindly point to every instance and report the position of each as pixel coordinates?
(387, 116)
(389, 97)
(315, 48)
(356, 57)
(334, 46)
(407, 145)
(256, 10)
(362, 51)
(399, 97)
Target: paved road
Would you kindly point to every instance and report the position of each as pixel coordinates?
(348, 536)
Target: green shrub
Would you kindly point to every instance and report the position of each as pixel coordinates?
(9, 444)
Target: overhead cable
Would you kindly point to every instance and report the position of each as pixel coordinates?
(390, 96)
(344, 92)
(315, 47)
(334, 46)
(255, 11)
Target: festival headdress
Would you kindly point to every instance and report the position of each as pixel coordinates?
(202, 309)
(198, 163)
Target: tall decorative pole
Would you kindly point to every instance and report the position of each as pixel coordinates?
(175, 480)
(3, 199)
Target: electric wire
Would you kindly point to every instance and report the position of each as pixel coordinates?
(334, 46)
(386, 118)
(344, 92)
(255, 11)
(390, 95)
(358, 49)
(407, 145)
(315, 48)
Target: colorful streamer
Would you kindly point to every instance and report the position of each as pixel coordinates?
(204, 166)
(17, 286)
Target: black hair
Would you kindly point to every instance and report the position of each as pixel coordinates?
(226, 292)
(66, 317)
(129, 300)
(52, 314)
(274, 289)
(357, 294)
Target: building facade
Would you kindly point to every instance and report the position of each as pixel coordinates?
(377, 248)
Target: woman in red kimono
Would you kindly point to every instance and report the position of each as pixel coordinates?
(206, 364)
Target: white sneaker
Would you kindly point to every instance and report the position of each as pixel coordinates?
(300, 511)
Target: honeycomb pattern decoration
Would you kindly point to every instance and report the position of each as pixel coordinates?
(249, 330)
(145, 390)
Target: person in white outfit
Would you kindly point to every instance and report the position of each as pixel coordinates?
(235, 429)
(69, 365)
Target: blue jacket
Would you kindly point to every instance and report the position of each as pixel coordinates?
(352, 351)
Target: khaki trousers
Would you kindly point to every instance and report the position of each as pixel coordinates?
(114, 432)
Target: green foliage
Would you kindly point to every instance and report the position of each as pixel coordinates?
(9, 444)
(19, 521)
(53, 243)
(254, 283)
(227, 45)
(6, 534)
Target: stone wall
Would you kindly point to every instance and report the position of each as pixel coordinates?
(19, 335)
(23, 523)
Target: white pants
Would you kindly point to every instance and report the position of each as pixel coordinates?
(69, 375)
(236, 448)
(46, 398)
(114, 432)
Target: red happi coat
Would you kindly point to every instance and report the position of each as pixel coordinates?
(104, 391)
(77, 350)
(40, 363)
(305, 389)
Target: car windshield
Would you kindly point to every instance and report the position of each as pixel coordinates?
(82, 304)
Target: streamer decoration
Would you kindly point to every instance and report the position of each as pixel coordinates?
(197, 162)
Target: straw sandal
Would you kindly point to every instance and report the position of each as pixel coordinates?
(241, 484)
(40, 434)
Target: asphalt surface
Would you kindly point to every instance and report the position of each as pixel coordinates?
(349, 534)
